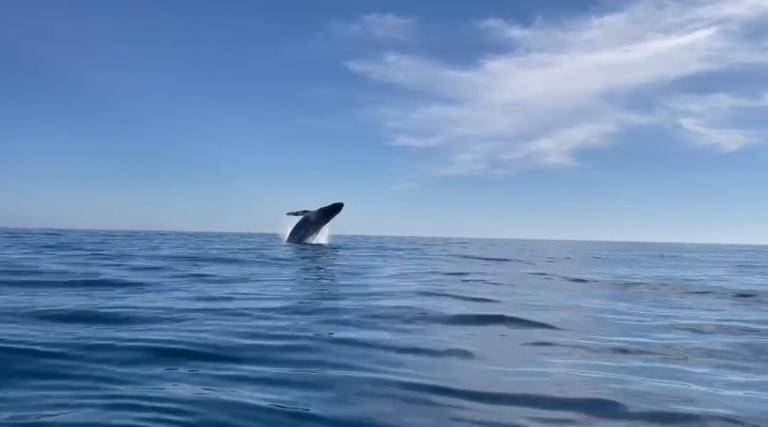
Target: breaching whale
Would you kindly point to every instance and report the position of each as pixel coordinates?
(312, 222)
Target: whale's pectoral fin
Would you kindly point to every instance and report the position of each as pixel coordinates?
(300, 213)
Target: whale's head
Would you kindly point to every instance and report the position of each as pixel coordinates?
(330, 211)
(325, 214)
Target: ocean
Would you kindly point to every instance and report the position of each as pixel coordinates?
(126, 328)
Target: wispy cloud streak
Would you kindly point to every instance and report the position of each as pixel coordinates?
(558, 89)
(384, 27)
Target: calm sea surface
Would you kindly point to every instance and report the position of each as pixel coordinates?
(166, 329)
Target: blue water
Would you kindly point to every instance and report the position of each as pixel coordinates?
(162, 329)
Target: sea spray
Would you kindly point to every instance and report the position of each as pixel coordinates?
(323, 236)
(287, 223)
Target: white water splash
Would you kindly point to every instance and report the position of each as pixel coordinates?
(286, 224)
(323, 236)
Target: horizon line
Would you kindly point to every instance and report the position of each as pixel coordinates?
(670, 242)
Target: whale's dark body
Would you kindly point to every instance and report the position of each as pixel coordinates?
(312, 222)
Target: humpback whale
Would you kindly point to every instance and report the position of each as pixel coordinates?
(312, 222)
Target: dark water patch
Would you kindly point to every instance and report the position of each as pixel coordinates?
(194, 276)
(457, 297)
(401, 349)
(491, 320)
(590, 406)
(71, 373)
(288, 408)
(148, 406)
(304, 308)
(16, 272)
(103, 283)
(558, 421)
(720, 329)
(555, 260)
(699, 292)
(269, 335)
(621, 351)
(626, 351)
(223, 313)
(245, 413)
(95, 255)
(541, 344)
(61, 247)
(751, 266)
(177, 354)
(290, 382)
(28, 353)
(204, 259)
(489, 259)
(577, 279)
(49, 233)
(744, 295)
(158, 420)
(36, 418)
(14, 235)
(552, 276)
(93, 317)
(486, 282)
(574, 279)
(539, 273)
(410, 400)
(454, 273)
(632, 283)
(148, 267)
(209, 278)
(214, 298)
(483, 423)
(63, 422)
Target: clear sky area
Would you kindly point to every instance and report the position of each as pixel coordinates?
(595, 120)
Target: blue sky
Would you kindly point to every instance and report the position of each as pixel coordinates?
(563, 120)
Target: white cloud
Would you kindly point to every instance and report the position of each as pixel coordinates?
(384, 27)
(726, 139)
(719, 120)
(561, 88)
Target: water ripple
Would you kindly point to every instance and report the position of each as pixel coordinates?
(72, 283)
(491, 319)
(237, 329)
